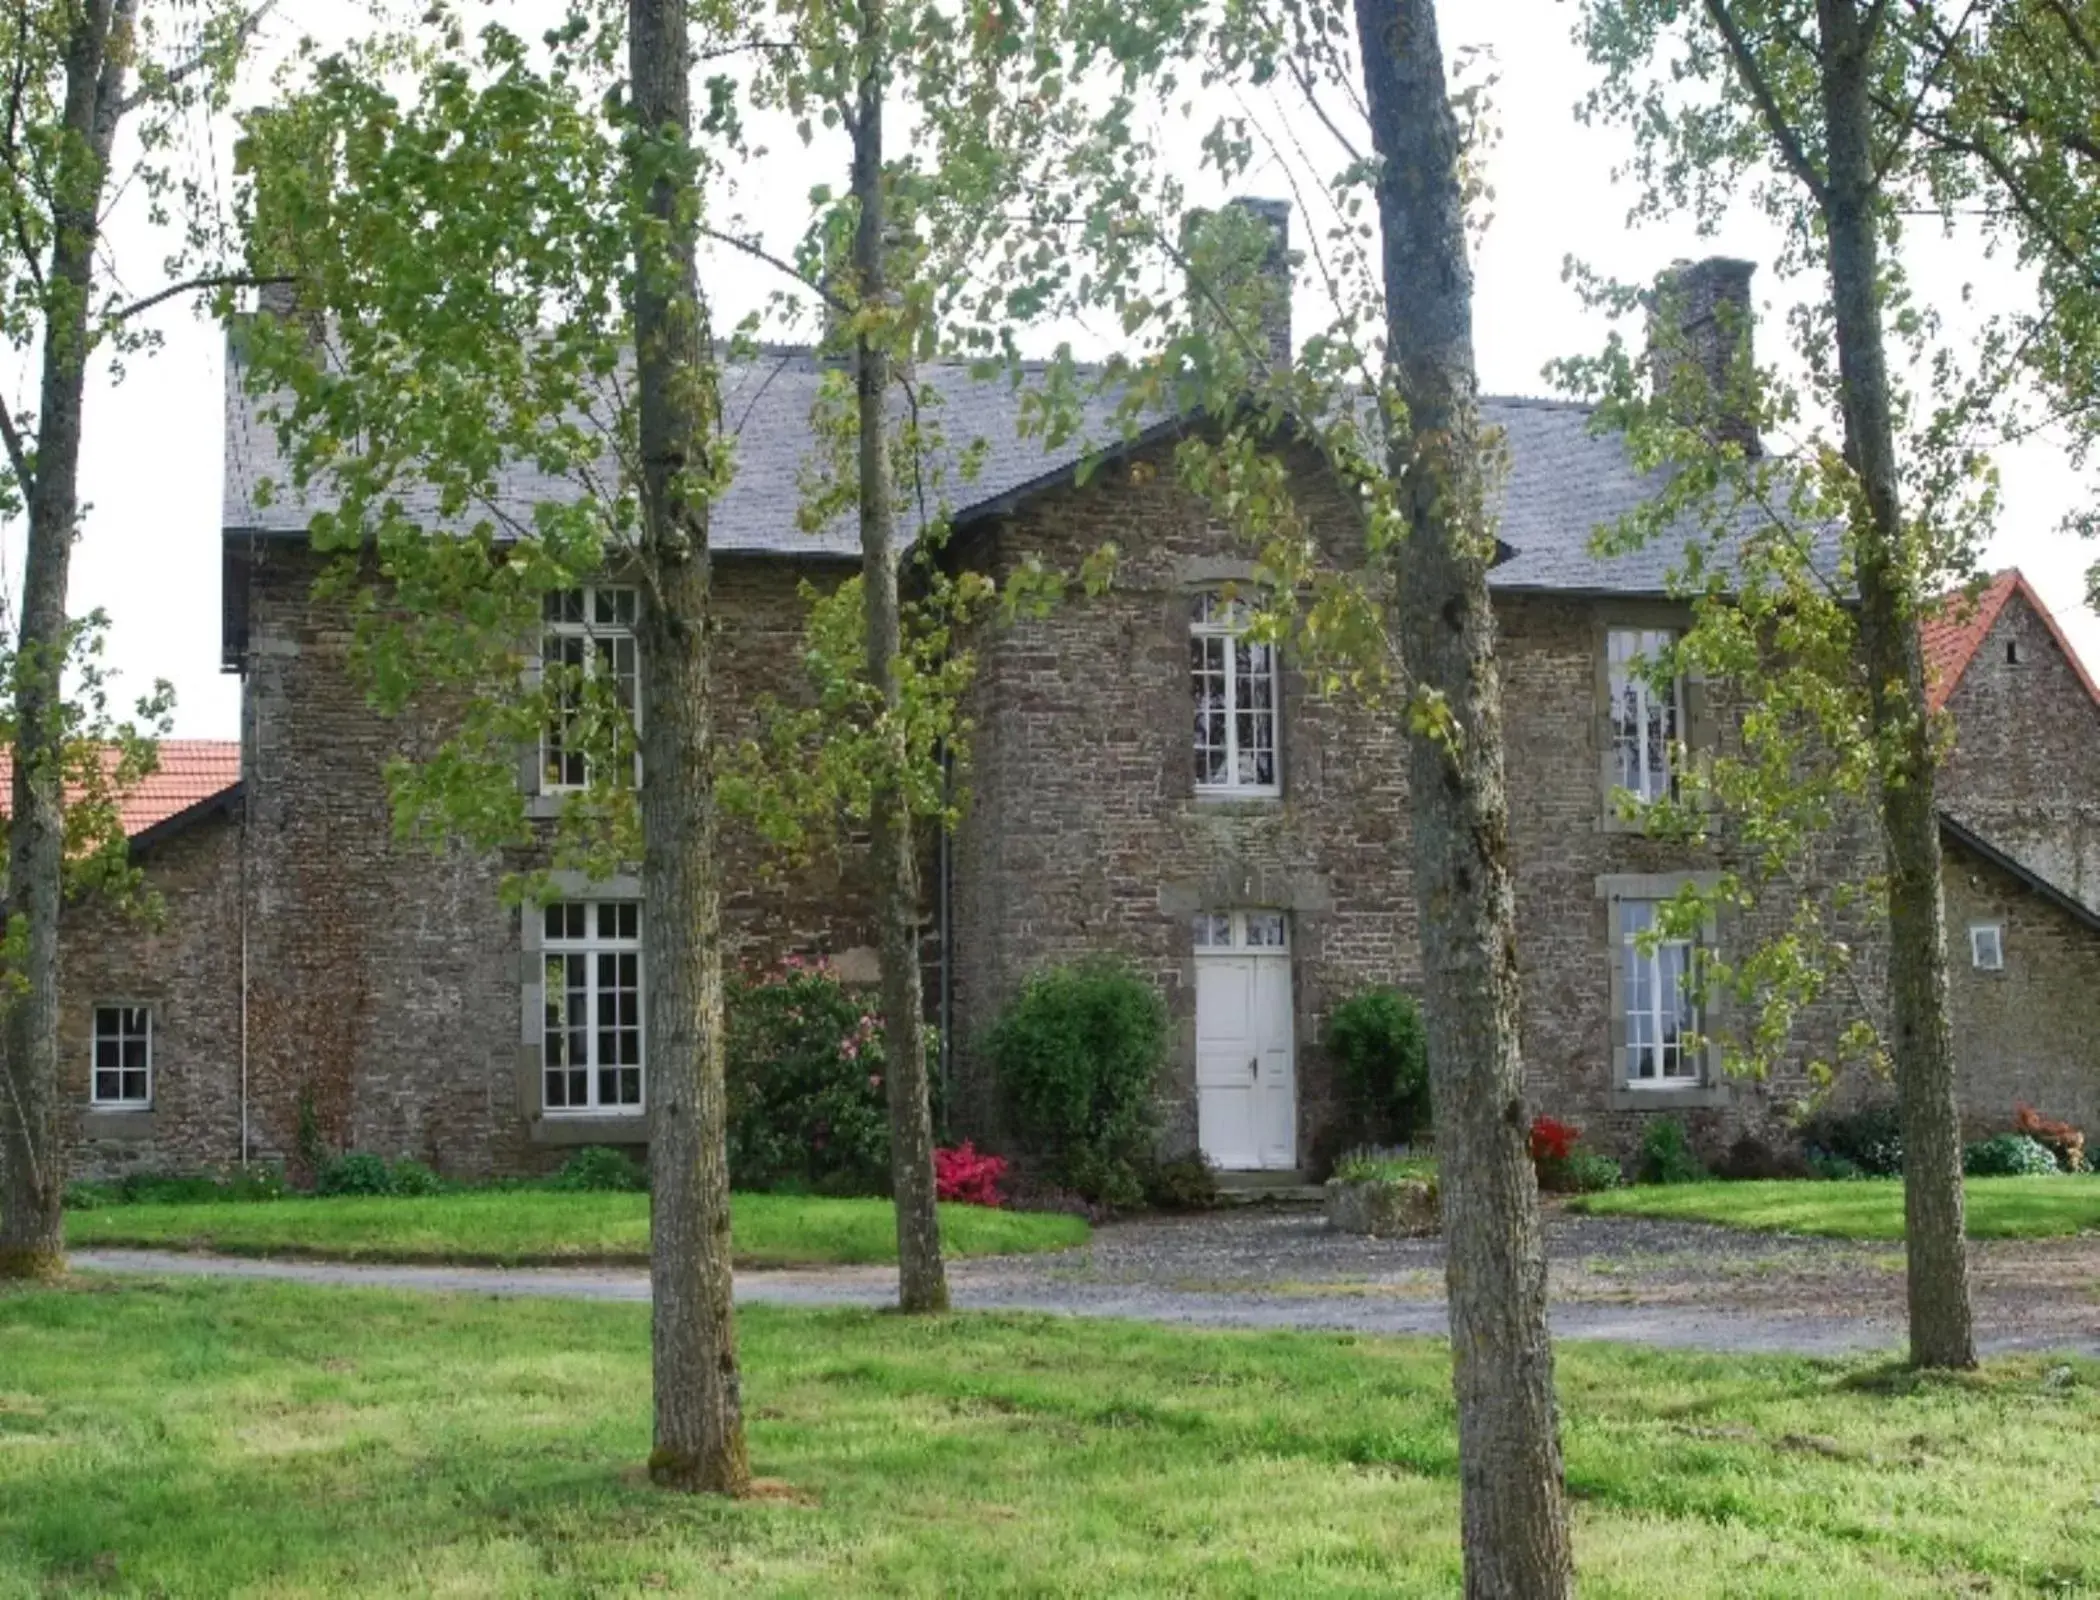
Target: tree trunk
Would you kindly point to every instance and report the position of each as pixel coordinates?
(699, 1439)
(32, 1154)
(922, 1279)
(1513, 1518)
(1942, 1331)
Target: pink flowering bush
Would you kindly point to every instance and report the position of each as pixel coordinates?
(805, 1065)
(968, 1176)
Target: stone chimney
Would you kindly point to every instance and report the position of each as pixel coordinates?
(1701, 347)
(1272, 305)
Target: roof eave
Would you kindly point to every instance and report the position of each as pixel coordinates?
(227, 800)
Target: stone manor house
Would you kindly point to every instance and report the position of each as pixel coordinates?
(1146, 783)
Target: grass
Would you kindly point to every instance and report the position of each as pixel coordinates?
(527, 1226)
(1867, 1208)
(223, 1439)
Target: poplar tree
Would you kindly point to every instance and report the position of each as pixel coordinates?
(80, 73)
(497, 274)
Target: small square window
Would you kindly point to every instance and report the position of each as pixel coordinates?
(1213, 931)
(1987, 946)
(123, 1061)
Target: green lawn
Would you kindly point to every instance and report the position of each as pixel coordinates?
(521, 1226)
(1870, 1208)
(230, 1439)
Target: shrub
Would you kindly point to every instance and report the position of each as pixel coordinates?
(2062, 1140)
(805, 1068)
(1666, 1154)
(355, 1172)
(1077, 1055)
(1381, 1060)
(1834, 1169)
(968, 1176)
(1563, 1166)
(412, 1178)
(1869, 1138)
(600, 1169)
(1369, 1164)
(2010, 1155)
(257, 1182)
(1186, 1183)
(1587, 1171)
(1751, 1159)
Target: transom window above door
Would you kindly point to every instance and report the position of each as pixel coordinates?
(1242, 930)
(1232, 681)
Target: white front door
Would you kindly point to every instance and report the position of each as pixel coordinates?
(1246, 1075)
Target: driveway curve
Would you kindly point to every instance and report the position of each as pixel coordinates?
(1627, 1280)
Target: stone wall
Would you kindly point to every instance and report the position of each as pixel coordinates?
(385, 978)
(2024, 771)
(2029, 1033)
(185, 966)
(1084, 834)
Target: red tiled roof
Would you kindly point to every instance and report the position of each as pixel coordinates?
(191, 770)
(1956, 628)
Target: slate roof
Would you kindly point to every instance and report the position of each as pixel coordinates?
(192, 773)
(1957, 627)
(1563, 481)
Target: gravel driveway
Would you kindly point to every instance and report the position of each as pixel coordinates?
(1684, 1285)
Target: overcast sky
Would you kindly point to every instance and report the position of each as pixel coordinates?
(149, 552)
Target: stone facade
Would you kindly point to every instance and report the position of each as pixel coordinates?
(2028, 1033)
(184, 966)
(1085, 834)
(384, 980)
(389, 1001)
(2024, 766)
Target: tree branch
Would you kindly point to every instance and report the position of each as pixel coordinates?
(759, 252)
(213, 280)
(1947, 40)
(242, 33)
(2076, 30)
(17, 456)
(1784, 134)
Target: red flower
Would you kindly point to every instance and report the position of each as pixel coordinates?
(968, 1175)
(1552, 1139)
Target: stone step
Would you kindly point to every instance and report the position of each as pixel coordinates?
(1268, 1188)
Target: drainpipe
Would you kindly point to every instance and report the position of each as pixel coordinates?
(944, 895)
(240, 821)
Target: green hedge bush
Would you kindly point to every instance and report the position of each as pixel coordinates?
(1077, 1057)
(1667, 1155)
(2010, 1155)
(1381, 1062)
(807, 1108)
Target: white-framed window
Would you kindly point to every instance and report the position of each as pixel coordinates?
(1233, 683)
(123, 1070)
(1661, 1016)
(591, 1042)
(587, 638)
(1987, 946)
(1253, 931)
(1647, 721)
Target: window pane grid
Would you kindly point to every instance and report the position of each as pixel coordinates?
(592, 1034)
(1233, 688)
(1646, 720)
(1662, 1014)
(123, 1057)
(589, 638)
(1240, 930)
